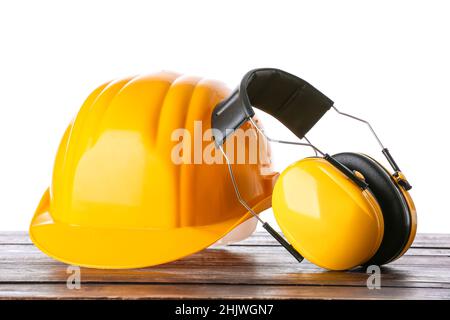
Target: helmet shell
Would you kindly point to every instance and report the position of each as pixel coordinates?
(119, 200)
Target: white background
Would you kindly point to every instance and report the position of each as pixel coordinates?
(387, 61)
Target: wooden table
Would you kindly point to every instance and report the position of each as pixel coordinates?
(255, 268)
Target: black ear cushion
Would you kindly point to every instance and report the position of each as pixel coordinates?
(397, 218)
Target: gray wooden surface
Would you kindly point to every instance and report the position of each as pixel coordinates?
(255, 268)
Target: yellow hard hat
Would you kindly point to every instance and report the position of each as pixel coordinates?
(118, 200)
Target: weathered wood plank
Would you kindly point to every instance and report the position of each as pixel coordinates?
(423, 240)
(238, 265)
(139, 291)
(256, 267)
(238, 256)
(14, 251)
(14, 237)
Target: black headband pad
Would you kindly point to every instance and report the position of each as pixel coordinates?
(289, 99)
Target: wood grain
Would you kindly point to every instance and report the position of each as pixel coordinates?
(254, 268)
(210, 291)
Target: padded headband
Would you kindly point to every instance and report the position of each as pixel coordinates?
(289, 99)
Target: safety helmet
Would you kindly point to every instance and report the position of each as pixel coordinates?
(117, 198)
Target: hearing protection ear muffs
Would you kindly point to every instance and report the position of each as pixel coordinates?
(397, 215)
(338, 211)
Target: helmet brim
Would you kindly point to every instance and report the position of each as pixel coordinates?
(123, 248)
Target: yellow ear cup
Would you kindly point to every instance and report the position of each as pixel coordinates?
(325, 216)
